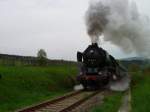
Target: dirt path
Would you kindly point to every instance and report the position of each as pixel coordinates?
(126, 102)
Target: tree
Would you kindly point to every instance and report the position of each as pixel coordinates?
(42, 57)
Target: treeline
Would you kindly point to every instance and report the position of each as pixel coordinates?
(140, 63)
(16, 60)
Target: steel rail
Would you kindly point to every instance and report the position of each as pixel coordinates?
(44, 104)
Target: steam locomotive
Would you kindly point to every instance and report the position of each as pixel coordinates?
(97, 67)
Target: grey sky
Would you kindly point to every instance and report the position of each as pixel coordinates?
(54, 25)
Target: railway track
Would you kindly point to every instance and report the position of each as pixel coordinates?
(63, 104)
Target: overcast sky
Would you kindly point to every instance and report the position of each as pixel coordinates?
(54, 25)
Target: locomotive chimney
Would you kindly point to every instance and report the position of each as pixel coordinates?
(95, 44)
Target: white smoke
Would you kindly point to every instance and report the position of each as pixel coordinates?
(78, 87)
(120, 85)
(120, 22)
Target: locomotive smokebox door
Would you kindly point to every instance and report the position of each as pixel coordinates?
(79, 56)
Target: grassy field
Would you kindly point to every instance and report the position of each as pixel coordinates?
(140, 94)
(22, 86)
(111, 103)
(140, 91)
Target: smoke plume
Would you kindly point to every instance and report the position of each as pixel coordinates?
(120, 22)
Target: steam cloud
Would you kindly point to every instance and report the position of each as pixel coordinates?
(120, 22)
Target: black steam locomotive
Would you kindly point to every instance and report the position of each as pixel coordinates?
(96, 67)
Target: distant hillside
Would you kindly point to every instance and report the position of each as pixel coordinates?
(11, 60)
(6, 59)
(140, 61)
(134, 58)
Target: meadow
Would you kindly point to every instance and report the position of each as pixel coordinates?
(111, 103)
(22, 86)
(140, 91)
(140, 94)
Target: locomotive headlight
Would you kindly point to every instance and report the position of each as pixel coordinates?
(114, 77)
(81, 73)
(99, 73)
(91, 51)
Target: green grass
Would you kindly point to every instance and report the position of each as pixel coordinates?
(140, 92)
(23, 86)
(140, 95)
(111, 103)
